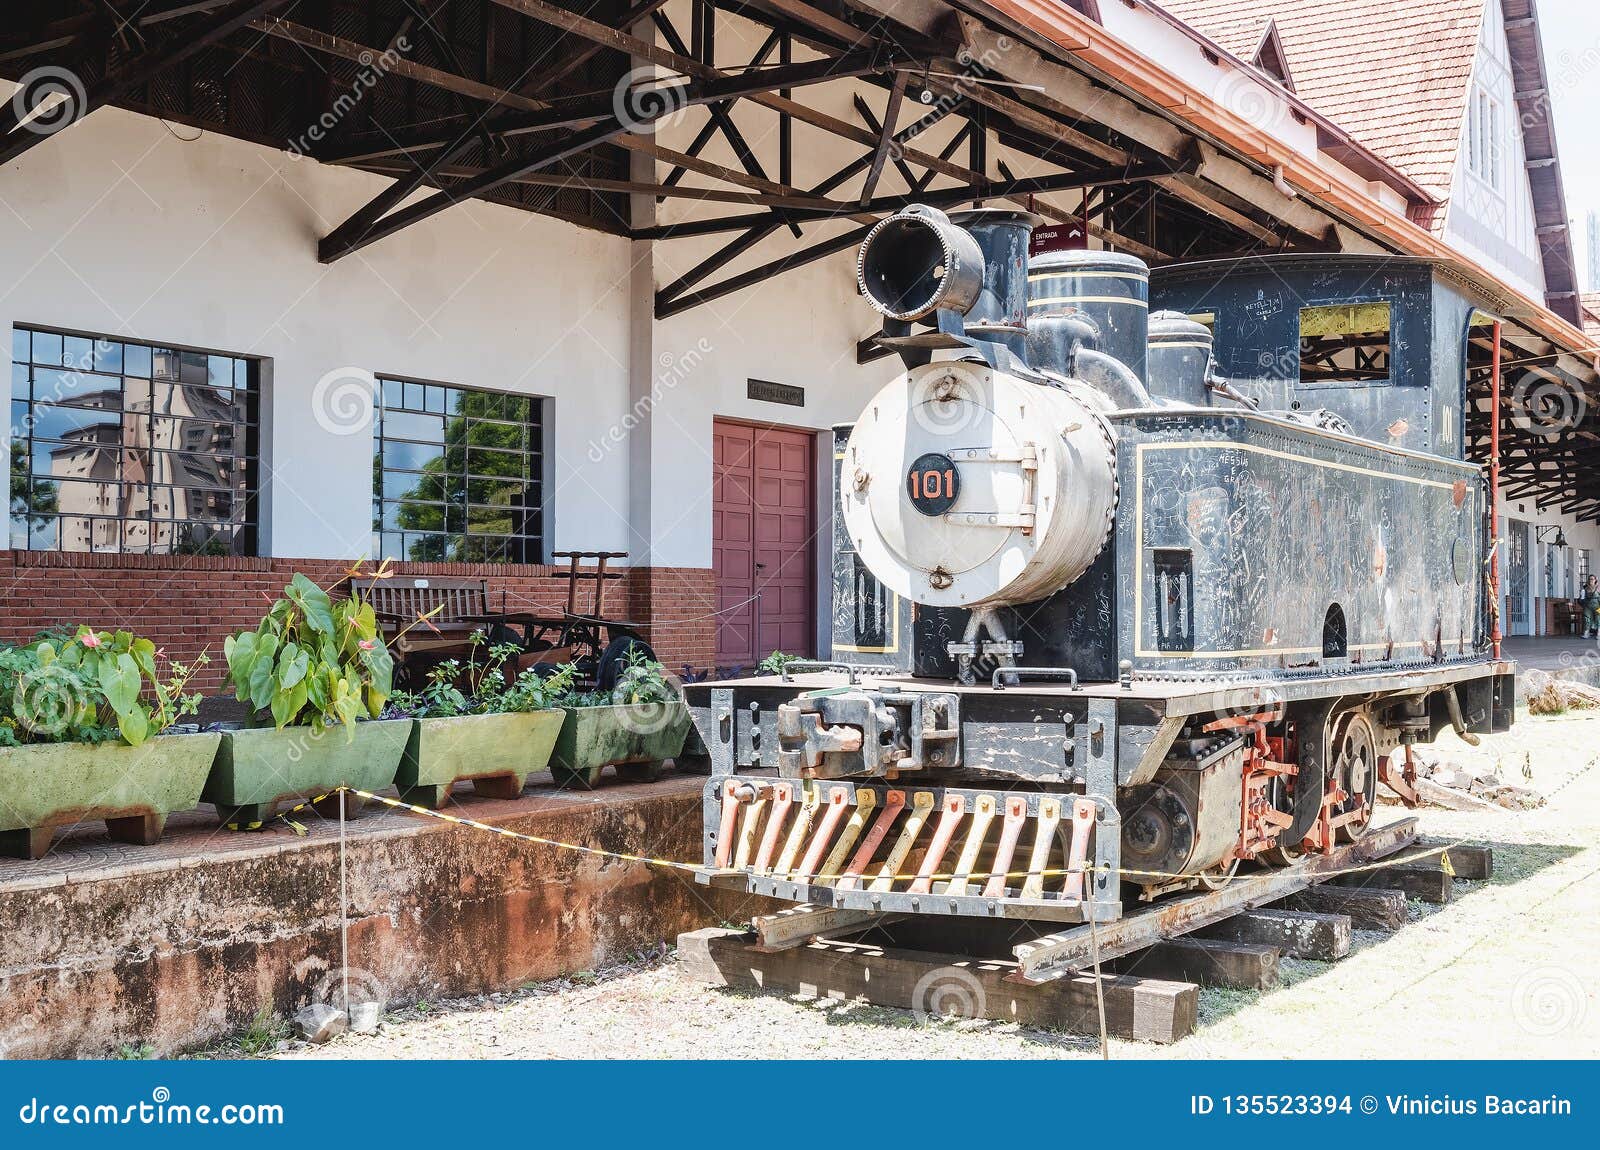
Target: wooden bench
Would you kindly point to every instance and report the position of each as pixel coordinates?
(401, 601)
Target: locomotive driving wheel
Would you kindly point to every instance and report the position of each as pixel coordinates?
(1282, 854)
(1354, 769)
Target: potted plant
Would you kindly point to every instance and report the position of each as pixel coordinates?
(471, 724)
(317, 668)
(634, 727)
(82, 717)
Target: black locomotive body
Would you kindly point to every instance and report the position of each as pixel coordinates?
(1121, 600)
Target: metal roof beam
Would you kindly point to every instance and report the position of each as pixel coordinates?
(181, 45)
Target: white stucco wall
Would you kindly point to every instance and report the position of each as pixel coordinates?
(119, 227)
(1496, 226)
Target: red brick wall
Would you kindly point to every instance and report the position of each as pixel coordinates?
(187, 604)
(679, 603)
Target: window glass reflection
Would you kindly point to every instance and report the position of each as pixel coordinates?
(120, 446)
(456, 474)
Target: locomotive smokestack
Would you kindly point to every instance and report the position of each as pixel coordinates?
(920, 261)
(917, 262)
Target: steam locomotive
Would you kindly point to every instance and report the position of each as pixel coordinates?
(1122, 599)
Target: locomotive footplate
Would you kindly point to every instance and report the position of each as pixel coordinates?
(890, 849)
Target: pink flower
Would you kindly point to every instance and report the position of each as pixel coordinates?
(366, 644)
(90, 639)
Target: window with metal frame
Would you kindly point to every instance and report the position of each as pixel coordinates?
(120, 446)
(1345, 343)
(1485, 139)
(458, 474)
(1517, 533)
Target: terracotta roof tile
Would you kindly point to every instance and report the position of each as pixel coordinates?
(1591, 316)
(1392, 73)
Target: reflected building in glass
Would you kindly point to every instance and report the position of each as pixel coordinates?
(159, 462)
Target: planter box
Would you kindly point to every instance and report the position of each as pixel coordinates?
(635, 739)
(496, 752)
(133, 789)
(258, 767)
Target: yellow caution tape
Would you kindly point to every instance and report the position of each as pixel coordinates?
(824, 876)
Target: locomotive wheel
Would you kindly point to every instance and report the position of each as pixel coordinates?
(1282, 855)
(1354, 751)
(1220, 875)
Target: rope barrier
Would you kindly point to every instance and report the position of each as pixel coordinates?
(825, 876)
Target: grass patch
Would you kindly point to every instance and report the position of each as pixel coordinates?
(263, 1034)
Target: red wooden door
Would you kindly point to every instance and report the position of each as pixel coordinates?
(762, 542)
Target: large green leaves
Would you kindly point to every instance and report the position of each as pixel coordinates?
(288, 703)
(315, 606)
(312, 659)
(293, 666)
(240, 652)
(83, 687)
(263, 672)
(119, 679)
(134, 724)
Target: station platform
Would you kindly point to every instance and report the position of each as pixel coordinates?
(181, 944)
(1566, 655)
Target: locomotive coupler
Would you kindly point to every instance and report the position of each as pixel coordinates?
(997, 649)
(865, 733)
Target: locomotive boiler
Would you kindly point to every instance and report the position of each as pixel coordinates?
(1123, 599)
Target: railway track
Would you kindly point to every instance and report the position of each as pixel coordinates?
(1152, 961)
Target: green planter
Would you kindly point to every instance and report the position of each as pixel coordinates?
(133, 789)
(496, 752)
(635, 738)
(259, 767)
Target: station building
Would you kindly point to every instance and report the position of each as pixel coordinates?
(471, 284)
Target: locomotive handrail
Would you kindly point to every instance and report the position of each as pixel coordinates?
(1033, 672)
(804, 665)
